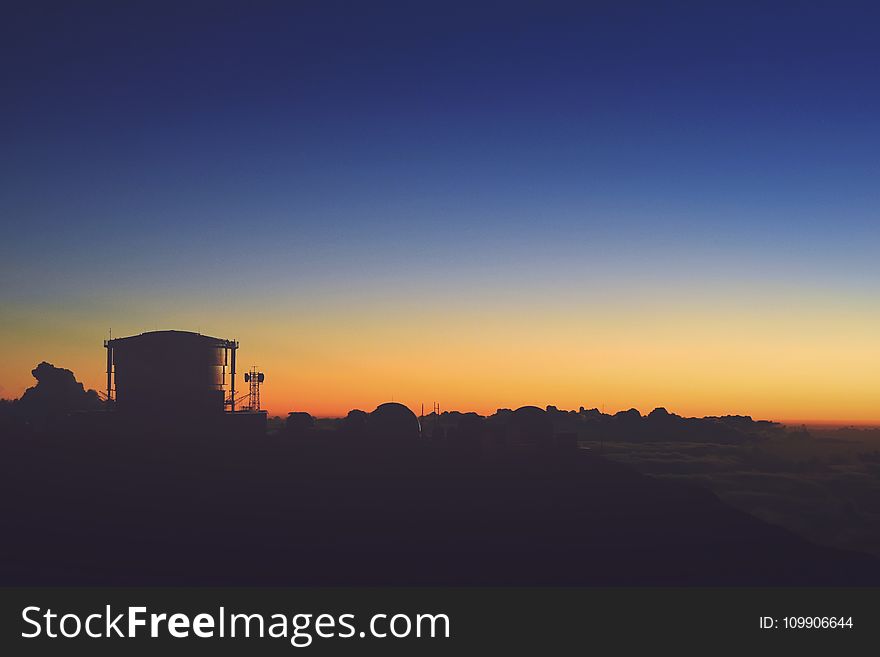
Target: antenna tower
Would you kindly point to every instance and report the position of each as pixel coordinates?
(254, 379)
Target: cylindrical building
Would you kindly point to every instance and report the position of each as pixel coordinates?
(169, 372)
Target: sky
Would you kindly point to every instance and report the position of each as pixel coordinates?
(485, 205)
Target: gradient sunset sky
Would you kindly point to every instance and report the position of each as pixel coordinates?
(481, 204)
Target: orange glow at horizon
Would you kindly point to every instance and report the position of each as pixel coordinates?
(792, 365)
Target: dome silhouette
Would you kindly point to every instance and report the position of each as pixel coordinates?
(531, 425)
(393, 421)
(355, 423)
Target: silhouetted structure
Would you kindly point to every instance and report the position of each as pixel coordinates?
(254, 379)
(393, 421)
(170, 371)
(354, 425)
(529, 425)
(176, 381)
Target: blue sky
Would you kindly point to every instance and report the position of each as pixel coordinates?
(169, 156)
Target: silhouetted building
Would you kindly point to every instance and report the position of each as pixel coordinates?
(393, 421)
(169, 371)
(530, 425)
(354, 424)
(176, 381)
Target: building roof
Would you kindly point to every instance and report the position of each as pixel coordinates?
(174, 336)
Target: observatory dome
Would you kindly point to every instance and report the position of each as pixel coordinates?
(531, 425)
(393, 421)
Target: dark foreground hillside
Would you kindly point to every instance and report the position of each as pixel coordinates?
(281, 512)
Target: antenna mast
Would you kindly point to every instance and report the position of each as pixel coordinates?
(254, 379)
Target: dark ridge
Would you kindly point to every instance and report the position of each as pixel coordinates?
(285, 512)
(380, 498)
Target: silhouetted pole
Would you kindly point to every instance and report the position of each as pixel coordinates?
(109, 368)
(234, 346)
